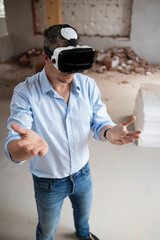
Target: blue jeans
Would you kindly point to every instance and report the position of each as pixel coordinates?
(49, 195)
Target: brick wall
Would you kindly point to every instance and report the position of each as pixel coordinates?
(99, 17)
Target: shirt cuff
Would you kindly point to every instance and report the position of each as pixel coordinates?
(6, 148)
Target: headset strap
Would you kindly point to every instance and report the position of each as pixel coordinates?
(72, 42)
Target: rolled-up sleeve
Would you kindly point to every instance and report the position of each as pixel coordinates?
(21, 114)
(100, 116)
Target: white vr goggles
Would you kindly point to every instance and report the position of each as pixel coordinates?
(73, 58)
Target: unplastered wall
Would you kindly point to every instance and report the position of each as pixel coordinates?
(144, 35)
(99, 17)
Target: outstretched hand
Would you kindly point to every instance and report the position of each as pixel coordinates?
(119, 134)
(30, 141)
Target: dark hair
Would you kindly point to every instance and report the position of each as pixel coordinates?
(52, 37)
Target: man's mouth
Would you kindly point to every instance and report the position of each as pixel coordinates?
(68, 74)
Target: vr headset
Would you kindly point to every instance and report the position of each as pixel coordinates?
(73, 58)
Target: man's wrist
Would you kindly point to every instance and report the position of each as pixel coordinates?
(105, 133)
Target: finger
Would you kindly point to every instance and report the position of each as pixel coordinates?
(125, 141)
(43, 151)
(17, 128)
(119, 143)
(129, 121)
(132, 133)
(129, 138)
(38, 150)
(22, 143)
(129, 141)
(28, 148)
(138, 132)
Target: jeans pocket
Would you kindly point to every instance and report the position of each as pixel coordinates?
(42, 185)
(86, 170)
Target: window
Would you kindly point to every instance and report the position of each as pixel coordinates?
(2, 10)
(3, 26)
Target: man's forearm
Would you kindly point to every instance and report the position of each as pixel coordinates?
(17, 153)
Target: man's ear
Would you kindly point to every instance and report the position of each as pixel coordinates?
(45, 57)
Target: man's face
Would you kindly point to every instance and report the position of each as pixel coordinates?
(57, 75)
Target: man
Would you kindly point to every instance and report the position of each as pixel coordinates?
(52, 114)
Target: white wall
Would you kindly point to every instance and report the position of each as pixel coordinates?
(145, 34)
(144, 37)
(20, 26)
(3, 27)
(6, 48)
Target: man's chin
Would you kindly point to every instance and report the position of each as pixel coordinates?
(68, 77)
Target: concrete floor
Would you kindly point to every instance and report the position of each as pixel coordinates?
(126, 180)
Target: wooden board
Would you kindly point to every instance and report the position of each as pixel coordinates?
(54, 12)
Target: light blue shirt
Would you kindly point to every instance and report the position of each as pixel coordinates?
(66, 128)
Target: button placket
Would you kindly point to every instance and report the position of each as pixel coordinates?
(70, 131)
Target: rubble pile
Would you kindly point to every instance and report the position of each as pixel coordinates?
(28, 58)
(31, 58)
(121, 59)
(124, 60)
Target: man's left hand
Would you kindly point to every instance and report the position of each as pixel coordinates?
(119, 135)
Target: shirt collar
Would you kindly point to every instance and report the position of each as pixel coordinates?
(44, 83)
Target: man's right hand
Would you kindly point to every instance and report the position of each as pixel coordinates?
(29, 145)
